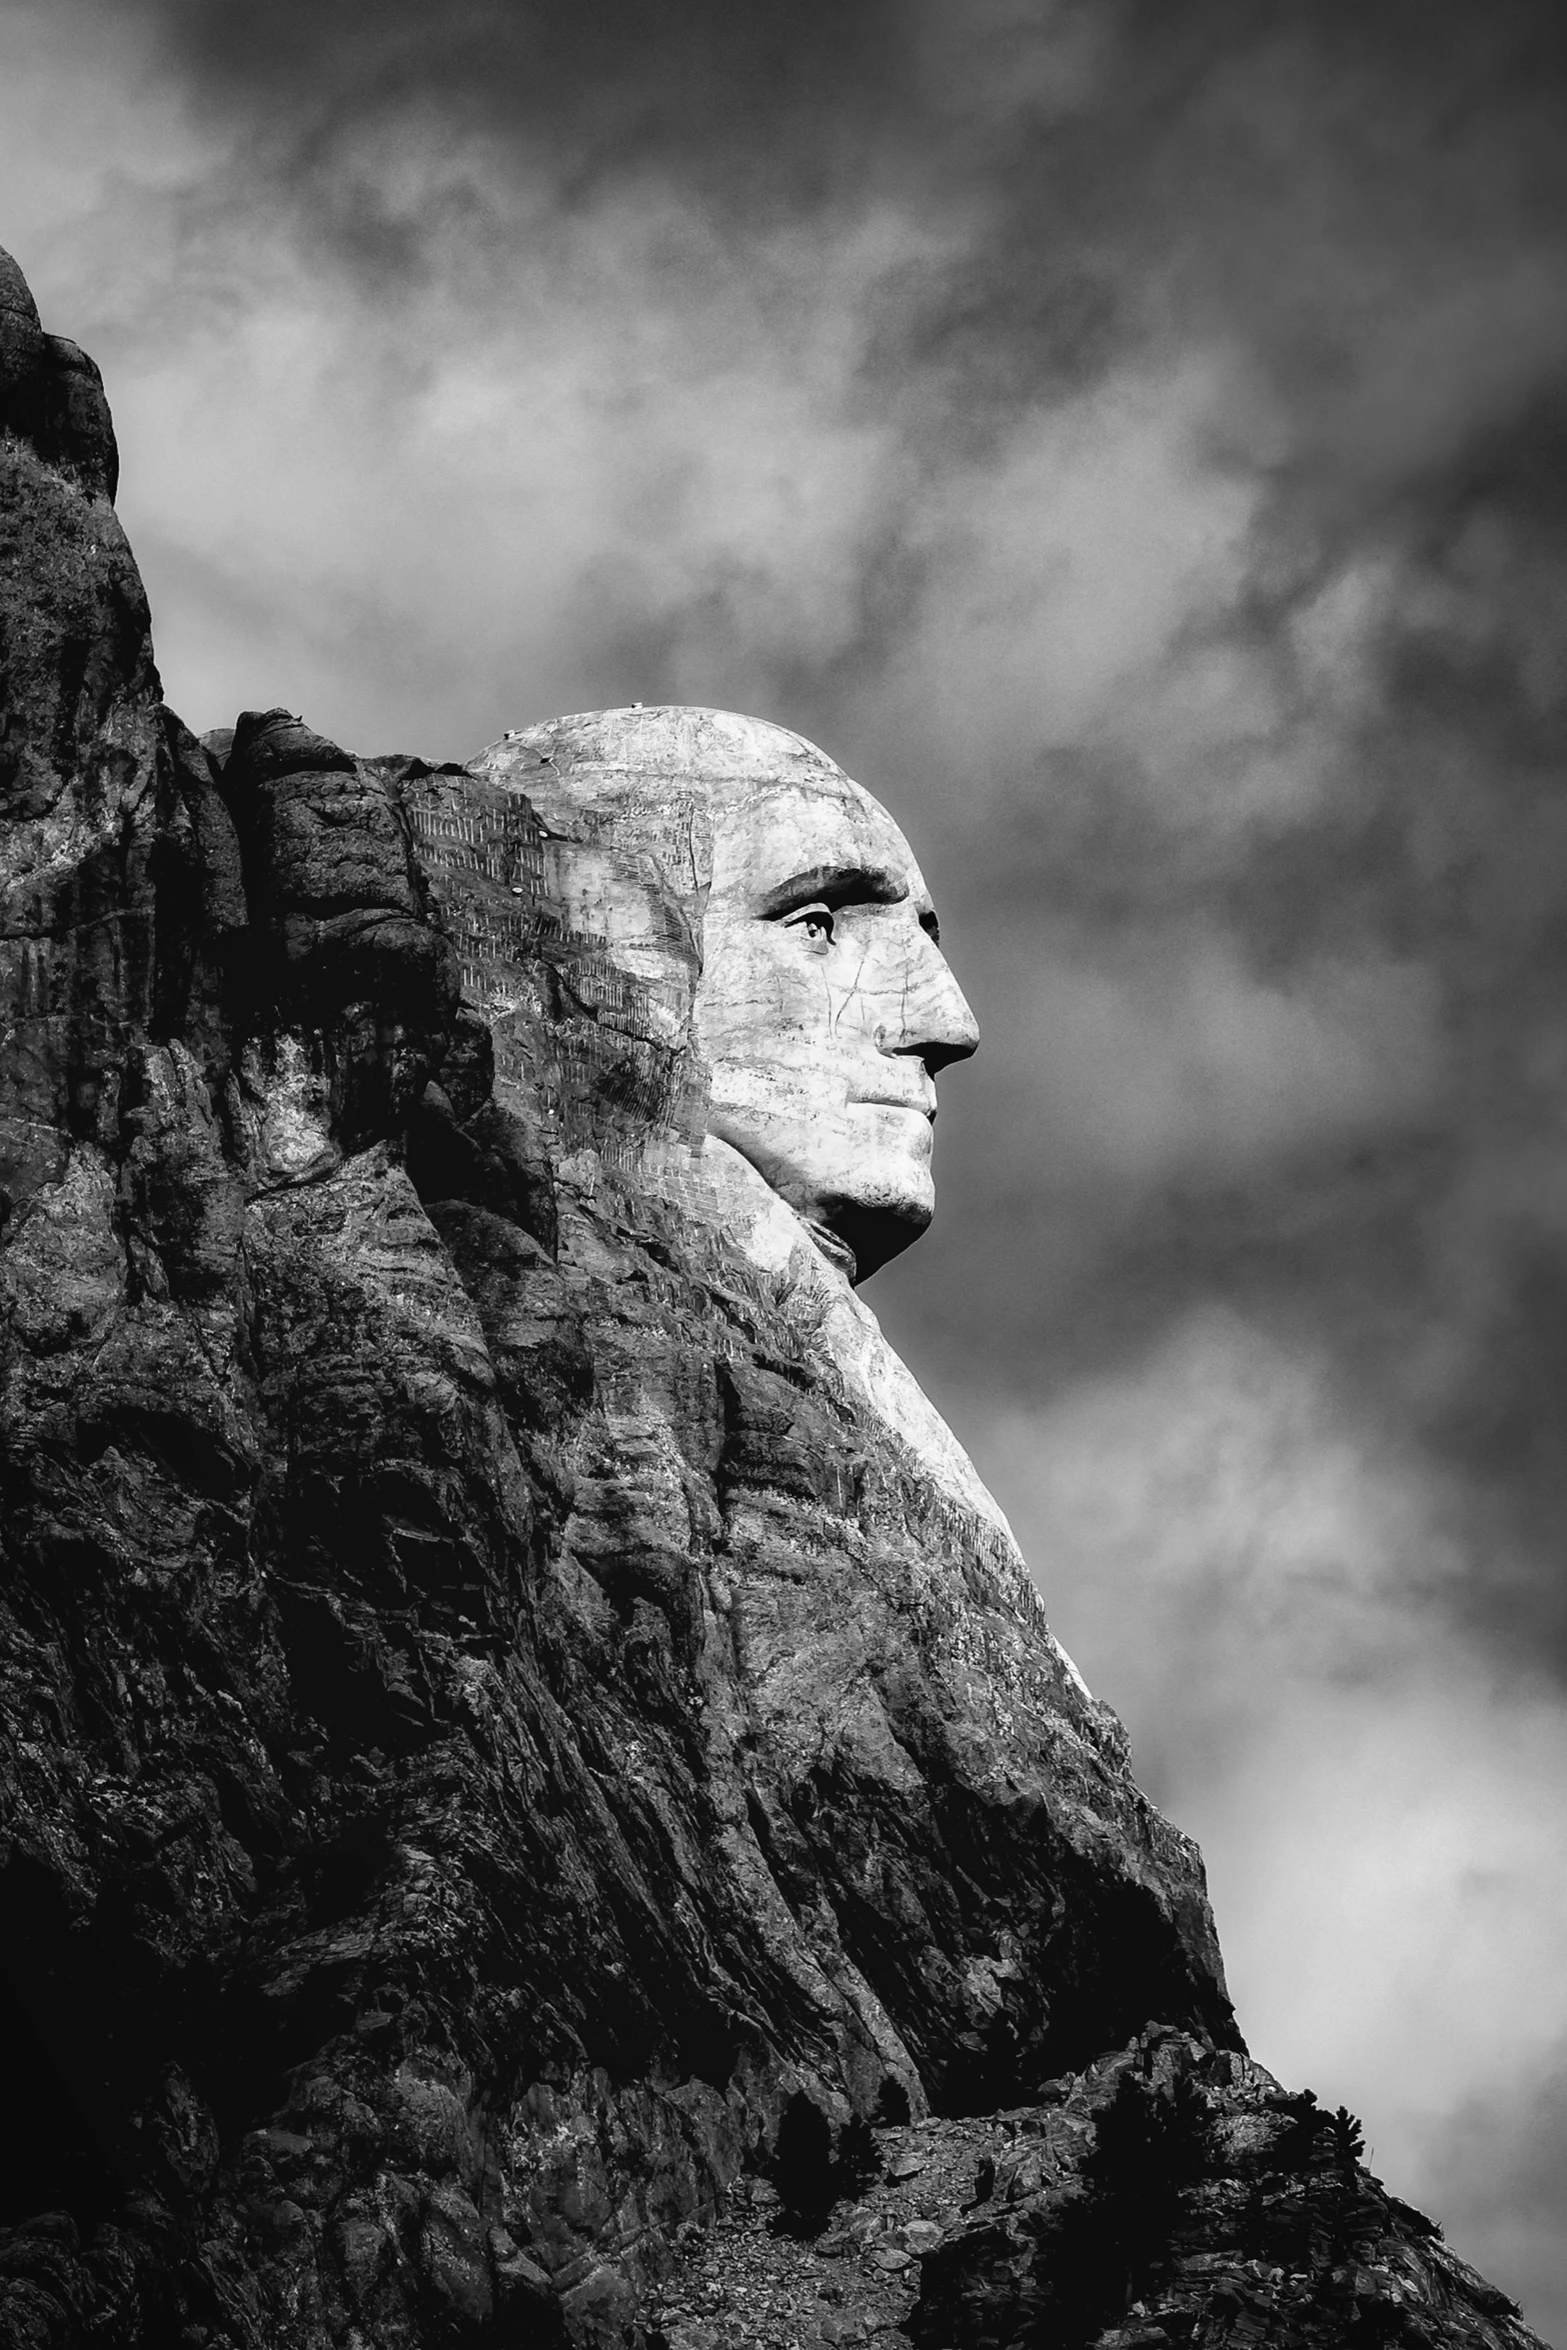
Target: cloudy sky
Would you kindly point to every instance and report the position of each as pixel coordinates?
(1131, 437)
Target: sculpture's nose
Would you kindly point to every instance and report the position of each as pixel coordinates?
(935, 1024)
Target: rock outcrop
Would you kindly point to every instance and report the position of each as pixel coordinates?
(1171, 2193)
(505, 1733)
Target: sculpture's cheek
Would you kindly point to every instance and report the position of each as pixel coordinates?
(826, 1154)
(765, 997)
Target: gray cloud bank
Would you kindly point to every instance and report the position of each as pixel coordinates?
(1132, 438)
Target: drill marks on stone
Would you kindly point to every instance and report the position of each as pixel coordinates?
(615, 1065)
(481, 853)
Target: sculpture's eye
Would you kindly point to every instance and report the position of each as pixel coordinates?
(816, 922)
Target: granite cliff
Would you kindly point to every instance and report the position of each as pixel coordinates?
(515, 1755)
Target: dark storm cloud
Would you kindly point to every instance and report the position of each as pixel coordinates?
(765, 108)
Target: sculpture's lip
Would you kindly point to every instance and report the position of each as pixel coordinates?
(923, 1105)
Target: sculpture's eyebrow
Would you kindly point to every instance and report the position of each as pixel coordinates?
(833, 885)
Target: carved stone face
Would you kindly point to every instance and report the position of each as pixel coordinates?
(825, 1009)
(711, 882)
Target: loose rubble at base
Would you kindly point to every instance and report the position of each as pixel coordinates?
(1173, 2194)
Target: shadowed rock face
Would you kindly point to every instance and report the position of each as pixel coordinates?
(514, 1706)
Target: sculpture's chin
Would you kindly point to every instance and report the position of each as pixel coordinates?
(861, 1205)
(872, 1236)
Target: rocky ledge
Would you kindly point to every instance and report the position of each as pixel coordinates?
(506, 1762)
(1173, 2193)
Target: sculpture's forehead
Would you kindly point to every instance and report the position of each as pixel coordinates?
(767, 833)
(689, 783)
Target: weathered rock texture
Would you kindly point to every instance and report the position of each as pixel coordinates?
(1172, 2193)
(500, 1739)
